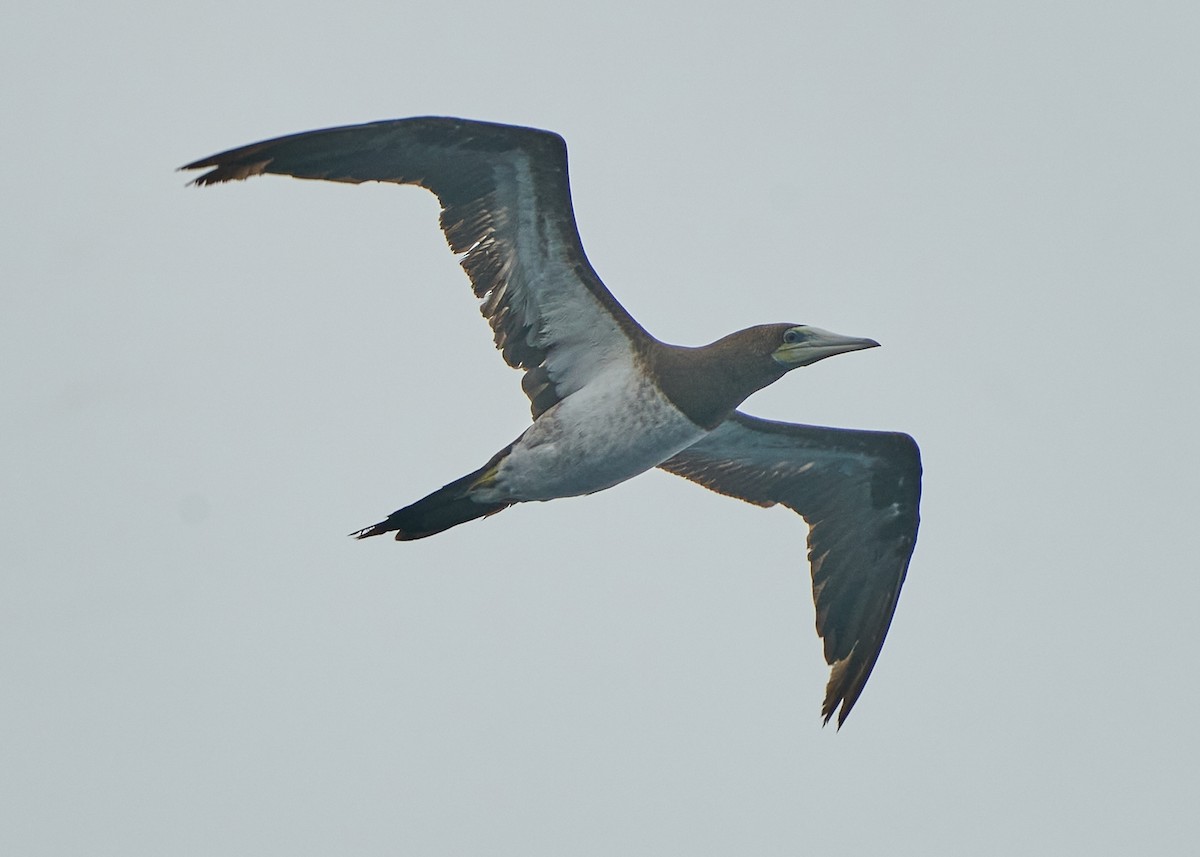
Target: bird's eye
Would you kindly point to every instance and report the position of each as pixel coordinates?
(791, 337)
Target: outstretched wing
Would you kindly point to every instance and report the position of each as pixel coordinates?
(506, 206)
(859, 491)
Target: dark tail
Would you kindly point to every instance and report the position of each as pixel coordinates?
(446, 507)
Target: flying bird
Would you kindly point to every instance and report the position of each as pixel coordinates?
(610, 401)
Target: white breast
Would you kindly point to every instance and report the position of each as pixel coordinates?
(615, 427)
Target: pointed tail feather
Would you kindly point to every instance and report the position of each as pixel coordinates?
(446, 507)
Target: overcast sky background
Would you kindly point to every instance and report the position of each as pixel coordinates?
(205, 390)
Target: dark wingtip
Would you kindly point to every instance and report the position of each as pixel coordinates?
(211, 177)
(842, 692)
(231, 166)
(827, 713)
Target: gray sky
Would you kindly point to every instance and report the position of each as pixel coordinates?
(205, 390)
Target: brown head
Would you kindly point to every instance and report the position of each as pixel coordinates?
(708, 382)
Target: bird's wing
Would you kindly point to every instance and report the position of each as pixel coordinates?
(859, 492)
(506, 206)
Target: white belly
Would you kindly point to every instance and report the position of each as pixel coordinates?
(616, 427)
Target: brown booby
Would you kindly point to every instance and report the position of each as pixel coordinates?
(610, 401)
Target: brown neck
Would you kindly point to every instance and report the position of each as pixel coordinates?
(708, 382)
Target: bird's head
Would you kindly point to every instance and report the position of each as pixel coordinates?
(750, 359)
(708, 382)
(799, 345)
